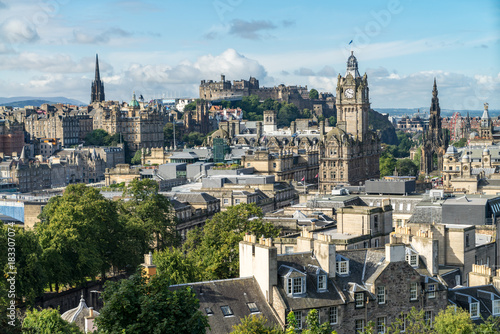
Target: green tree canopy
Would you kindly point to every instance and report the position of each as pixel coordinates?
(100, 137)
(406, 167)
(313, 94)
(136, 305)
(82, 235)
(190, 106)
(216, 248)
(47, 321)
(136, 159)
(176, 267)
(451, 321)
(168, 134)
(193, 139)
(460, 143)
(255, 325)
(332, 120)
(413, 323)
(144, 207)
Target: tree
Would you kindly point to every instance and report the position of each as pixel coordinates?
(255, 325)
(313, 94)
(47, 321)
(460, 143)
(453, 320)
(100, 137)
(81, 236)
(138, 305)
(332, 120)
(176, 267)
(190, 106)
(168, 134)
(146, 208)
(387, 163)
(313, 326)
(293, 324)
(30, 277)
(216, 248)
(413, 323)
(136, 159)
(193, 139)
(406, 167)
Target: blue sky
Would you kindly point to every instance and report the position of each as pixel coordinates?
(164, 48)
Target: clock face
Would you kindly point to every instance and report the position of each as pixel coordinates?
(349, 93)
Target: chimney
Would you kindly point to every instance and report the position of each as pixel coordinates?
(324, 250)
(395, 252)
(89, 321)
(305, 243)
(149, 269)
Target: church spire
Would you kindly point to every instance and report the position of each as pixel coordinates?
(97, 75)
(97, 92)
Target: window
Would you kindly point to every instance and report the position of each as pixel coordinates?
(432, 291)
(359, 326)
(253, 307)
(376, 243)
(467, 241)
(334, 316)
(288, 249)
(226, 201)
(322, 282)
(237, 201)
(408, 207)
(248, 164)
(274, 164)
(381, 294)
(496, 307)
(298, 317)
(474, 310)
(413, 291)
(226, 310)
(359, 299)
(209, 311)
(412, 259)
(295, 285)
(428, 318)
(381, 325)
(403, 323)
(342, 267)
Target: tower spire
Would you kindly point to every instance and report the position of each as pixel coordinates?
(97, 90)
(97, 75)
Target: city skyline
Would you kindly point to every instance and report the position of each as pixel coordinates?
(164, 49)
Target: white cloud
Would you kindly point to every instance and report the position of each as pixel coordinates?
(16, 30)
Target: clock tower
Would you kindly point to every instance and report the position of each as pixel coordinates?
(353, 101)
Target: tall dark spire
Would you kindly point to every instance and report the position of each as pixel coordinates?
(435, 101)
(97, 93)
(97, 75)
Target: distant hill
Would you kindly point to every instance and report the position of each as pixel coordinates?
(21, 101)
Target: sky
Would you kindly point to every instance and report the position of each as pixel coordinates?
(165, 48)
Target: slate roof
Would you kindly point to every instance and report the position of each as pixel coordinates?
(192, 197)
(307, 264)
(484, 294)
(235, 293)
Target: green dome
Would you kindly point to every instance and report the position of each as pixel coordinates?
(134, 102)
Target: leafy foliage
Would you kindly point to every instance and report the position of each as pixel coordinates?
(136, 159)
(451, 321)
(136, 305)
(193, 139)
(190, 106)
(176, 267)
(100, 137)
(216, 248)
(460, 143)
(332, 120)
(313, 326)
(255, 325)
(47, 321)
(415, 323)
(150, 212)
(313, 94)
(168, 134)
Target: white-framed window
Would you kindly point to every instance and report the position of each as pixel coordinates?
(432, 291)
(359, 326)
(226, 201)
(296, 285)
(474, 310)
(428, 317)
(322, 282)
(237, 201)
(413, 291)
(298, 317)
(359, 297)
(288, 249)
(342, 265)
(496, 307)
(403, 322)
(381, 325)
(381, 294)
(334, 315)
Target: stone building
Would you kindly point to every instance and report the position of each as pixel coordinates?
(197, 120)
(11, 137)
(350, 152)
(348, 288)
(140, 126)
(225, 90)
(434, 141)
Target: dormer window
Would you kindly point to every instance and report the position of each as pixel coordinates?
(296, 285)
(474, 310)
(411, 257)
(322, 282)
(342, 265)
